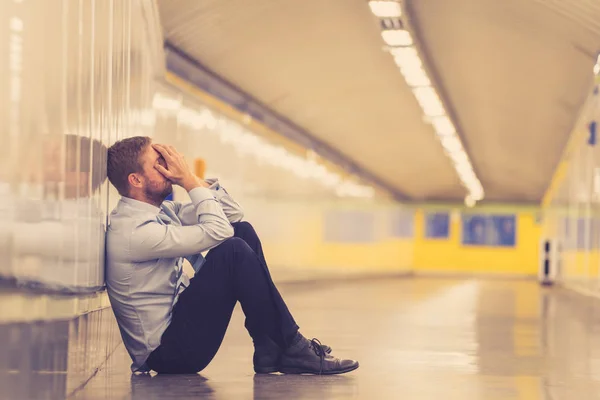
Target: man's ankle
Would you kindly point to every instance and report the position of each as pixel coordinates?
(294, 339)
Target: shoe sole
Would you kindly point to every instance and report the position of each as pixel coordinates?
(297, 371)
(266, 370)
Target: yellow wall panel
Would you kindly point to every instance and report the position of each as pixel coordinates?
(450, 256)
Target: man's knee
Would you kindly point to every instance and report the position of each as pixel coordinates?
(234, 244)
(233, 250)
(243, 228)
(242, 225)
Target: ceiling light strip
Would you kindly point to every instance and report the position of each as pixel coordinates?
(402, 47)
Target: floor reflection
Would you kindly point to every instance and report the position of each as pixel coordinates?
(299, 387)
(51, 359)
(159, 387)
(275, 386)
(415, 338)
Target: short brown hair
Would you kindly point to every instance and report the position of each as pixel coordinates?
(124, 159)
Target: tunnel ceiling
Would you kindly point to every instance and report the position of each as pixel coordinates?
(514, 74)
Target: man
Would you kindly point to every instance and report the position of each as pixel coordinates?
(173, 324)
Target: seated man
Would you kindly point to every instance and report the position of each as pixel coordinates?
(173, 324)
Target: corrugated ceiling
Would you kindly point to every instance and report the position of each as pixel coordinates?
(514, 72)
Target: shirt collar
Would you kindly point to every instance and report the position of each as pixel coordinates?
(140, 205)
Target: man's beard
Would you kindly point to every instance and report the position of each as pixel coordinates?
(157, 195)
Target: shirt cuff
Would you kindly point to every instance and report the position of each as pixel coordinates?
(213, 182)
(200, 194)
(215, 186)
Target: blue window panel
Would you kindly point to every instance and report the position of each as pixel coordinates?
(504, 231)
(474, 232)
(489, 230)
(437, 225)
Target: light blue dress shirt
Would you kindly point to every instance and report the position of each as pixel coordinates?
(144, 265)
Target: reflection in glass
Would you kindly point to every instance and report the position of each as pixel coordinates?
(80, 74)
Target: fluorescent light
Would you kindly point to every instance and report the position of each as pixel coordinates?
(15, 59)
(477, 195)
(468, 178)
(15, 88)
(397, 37)
(16, 24)
(462, 163)
(191, 118)
(209, 119)
(415, 77)
(429, 101)
(411, 66)
(406, 57)
(352, 189)
(147, 117)
(466, 174)
(460, 157)
(470, 183)
(451, 143)
(469, 201)
(161, 102)
(385, 9)
(463, 166)
(245, 142)
(596, 69)
(443, 126)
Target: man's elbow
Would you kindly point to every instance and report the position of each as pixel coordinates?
(238, 216)
(227, 232)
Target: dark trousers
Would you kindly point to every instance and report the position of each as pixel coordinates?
(234, 271)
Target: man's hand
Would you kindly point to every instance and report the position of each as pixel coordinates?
(177, 170)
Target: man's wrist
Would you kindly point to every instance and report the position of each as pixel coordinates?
(193, 182)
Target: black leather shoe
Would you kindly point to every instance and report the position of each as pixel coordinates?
(309, 357)
(267, 356)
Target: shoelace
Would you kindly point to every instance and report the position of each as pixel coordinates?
(319, 351)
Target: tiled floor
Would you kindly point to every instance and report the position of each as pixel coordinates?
(414, 338)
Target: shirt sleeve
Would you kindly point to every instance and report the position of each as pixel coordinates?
(230, 207)
(152, 239)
